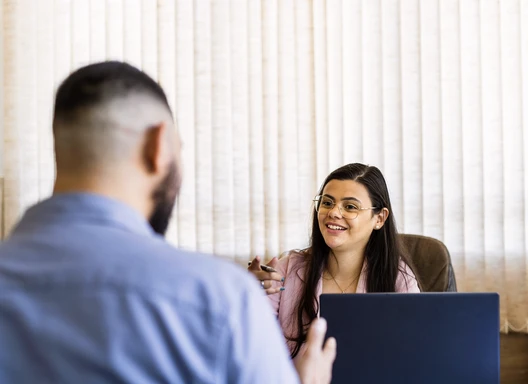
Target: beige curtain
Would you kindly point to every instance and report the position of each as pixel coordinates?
(271, 95)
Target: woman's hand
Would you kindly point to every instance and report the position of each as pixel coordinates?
(266, 278)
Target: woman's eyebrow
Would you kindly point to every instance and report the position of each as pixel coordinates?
(344, 198)
(351, 198)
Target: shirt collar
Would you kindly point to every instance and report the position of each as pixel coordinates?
(75, 207)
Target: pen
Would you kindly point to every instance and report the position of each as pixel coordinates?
(264, 267)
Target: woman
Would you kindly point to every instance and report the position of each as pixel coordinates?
(354, 249)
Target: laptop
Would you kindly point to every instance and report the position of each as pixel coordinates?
(407, 338)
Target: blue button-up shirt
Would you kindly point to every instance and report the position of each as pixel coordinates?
(89, 294)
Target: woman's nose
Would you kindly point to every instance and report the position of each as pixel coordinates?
(335, 211)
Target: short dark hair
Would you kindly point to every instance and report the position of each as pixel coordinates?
(99, 82)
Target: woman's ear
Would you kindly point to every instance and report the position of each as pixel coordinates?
(381, 217)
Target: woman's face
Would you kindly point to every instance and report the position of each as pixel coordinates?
(344, 234)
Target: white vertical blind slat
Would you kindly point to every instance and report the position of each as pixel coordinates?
(184, 115)
(256, 138)
(320, 91)
(514, 241)
(472, 139)
(240, 139)
(222, 134)
(431, 122)
(97, 38)
(411, 219)
(27, 106)
(391, 101)
(166, 26)
(334, 91)
(307, 161)
(44, 93)
(270, 59)
(21, 147)
(203, 126)
(80, 32)
(132, 32)
(372, 92)
(10, 204)
(149, 38)
(62, 42)
(524, 98)
(290, 236)
(114, 29)
(492, 161)
(352, 67)
(4, 31)
(451, 135)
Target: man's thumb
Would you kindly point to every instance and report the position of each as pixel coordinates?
(315, 336)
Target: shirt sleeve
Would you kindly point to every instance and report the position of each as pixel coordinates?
(254, 347)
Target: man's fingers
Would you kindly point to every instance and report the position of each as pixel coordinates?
(315, 365)
(330, 350)
(315, 336)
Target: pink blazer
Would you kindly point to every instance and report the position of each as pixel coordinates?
(291, 266)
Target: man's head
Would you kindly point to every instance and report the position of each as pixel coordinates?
(114, 135)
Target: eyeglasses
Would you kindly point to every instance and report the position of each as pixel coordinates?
(324, 204)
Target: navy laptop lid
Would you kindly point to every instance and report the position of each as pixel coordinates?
(424, 338)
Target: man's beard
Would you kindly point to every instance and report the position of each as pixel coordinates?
(164, 197)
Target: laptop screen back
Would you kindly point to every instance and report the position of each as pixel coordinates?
(414, 338)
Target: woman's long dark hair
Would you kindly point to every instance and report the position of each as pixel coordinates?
(383, 252)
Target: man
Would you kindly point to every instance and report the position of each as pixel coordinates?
(89, 290)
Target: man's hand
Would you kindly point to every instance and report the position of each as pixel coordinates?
(314, 366)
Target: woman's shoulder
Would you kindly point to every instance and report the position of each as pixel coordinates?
(291, 260)
(294, 254)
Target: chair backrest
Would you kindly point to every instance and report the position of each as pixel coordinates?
(432, 262)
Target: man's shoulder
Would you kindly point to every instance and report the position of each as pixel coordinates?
(209, 270)
(120, 262)
(158, 268)
(173, 260)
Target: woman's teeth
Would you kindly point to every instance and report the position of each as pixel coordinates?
(336, 227)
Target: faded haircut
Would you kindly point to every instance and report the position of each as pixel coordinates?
(100, 111)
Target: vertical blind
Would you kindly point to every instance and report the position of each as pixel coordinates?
(271, 95)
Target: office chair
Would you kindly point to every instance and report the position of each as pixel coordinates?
(432, 263)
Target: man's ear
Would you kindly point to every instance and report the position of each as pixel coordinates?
(155, 148)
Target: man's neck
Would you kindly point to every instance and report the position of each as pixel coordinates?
(127, 192)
